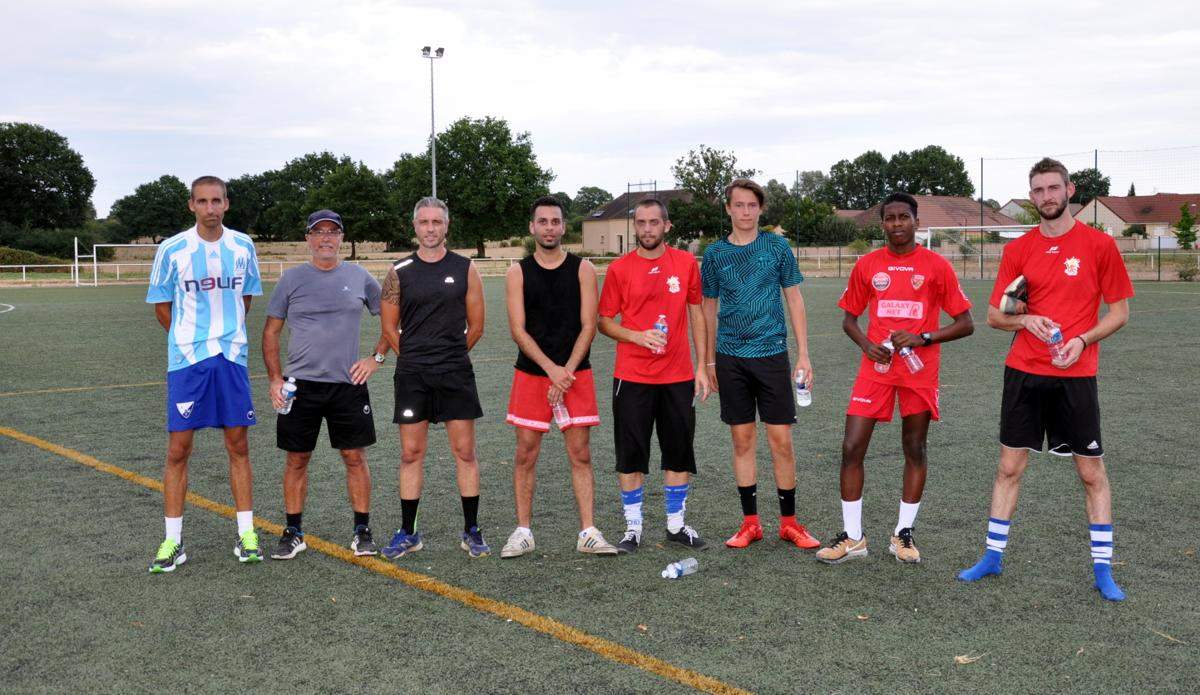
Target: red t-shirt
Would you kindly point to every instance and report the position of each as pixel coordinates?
(1066, 276)
(903, 293)
(640, 289)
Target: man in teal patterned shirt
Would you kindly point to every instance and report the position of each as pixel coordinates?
(747, 354)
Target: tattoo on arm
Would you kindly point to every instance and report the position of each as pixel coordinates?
(391, 288)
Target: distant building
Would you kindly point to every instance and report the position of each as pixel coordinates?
(609, 229)
(942, 211)
(1158, 213)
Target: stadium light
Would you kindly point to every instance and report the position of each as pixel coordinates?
(432, 55)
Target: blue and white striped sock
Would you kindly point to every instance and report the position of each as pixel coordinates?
(1102, 543)
(993, 557)
(997, 535)
(632, 501)
(676, 501)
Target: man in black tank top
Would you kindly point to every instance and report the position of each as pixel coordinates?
(551, 298)
(432, 315)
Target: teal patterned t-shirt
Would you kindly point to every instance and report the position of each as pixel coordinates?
(747, 281)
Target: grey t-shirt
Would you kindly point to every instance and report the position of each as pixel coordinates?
(323, 310)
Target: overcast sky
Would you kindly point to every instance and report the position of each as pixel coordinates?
(611, 92)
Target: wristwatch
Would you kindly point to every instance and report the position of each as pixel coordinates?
(379, 358)
(928, 338)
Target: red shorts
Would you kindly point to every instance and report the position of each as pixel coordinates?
(877, 401)
(529, 407)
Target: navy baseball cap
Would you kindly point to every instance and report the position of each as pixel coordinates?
(323, 215)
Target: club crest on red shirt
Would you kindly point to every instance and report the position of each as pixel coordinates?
(881, 281)
(1071, 266)
(917, 281)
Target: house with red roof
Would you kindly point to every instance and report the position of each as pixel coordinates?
(1157, 213)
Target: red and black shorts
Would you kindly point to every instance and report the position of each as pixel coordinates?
(529, 405)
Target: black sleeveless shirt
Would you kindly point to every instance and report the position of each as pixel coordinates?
(552, 312)
(433, 313)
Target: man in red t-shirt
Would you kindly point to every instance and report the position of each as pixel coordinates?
(655, 383)
(904, 288)
(1068, 268)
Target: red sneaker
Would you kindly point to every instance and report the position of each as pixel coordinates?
(796, 533)
(747, 534)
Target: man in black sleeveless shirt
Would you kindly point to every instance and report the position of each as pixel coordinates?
(428, 299)
(551, 298)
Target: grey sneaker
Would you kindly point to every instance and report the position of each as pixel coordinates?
(291, 543)
(363, 543)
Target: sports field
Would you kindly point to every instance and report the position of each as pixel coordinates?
(81, 418)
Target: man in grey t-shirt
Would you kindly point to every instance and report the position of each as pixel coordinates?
(322, 303)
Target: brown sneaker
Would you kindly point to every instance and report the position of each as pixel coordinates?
(903, 548)
(842, 548)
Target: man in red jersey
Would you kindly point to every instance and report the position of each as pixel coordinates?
(904, 287)
(1068, 267)
(655, 384)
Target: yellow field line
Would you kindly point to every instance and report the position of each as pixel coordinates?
(77, 389)
(606, 648)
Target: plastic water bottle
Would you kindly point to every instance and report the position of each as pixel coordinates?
(911, 359)
(661, 326)
(289, 397)
(886, 366)
(683, 568)
(803, 394)
(1057, 348)
(562, 418)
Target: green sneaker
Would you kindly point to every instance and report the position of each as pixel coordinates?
(169, 556)
(247, 549)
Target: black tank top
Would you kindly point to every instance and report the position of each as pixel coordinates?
(552, 312)
(433, 312)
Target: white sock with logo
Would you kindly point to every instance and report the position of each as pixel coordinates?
(174, 528)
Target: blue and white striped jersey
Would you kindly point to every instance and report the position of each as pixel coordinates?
(205, 282)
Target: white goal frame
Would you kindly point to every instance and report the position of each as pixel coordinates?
(94, 257)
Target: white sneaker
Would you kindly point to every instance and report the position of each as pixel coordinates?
(592, 541)
(518, 544)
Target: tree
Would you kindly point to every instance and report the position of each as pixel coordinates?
(810, 183)
(565, 201)
(1132, 190)
(363, 200)
(157, 209)
(486, 174)
(43, 182)
(780, 207)
(857, 184)
(707, 171)
(1089, 183)
(1185, 228)
(930, 170)
(289, 190)
(589, 198)
(250, 196)
(695, 218)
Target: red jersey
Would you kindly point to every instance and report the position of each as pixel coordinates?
(640, 289)
(903, 293)
(1066, 276)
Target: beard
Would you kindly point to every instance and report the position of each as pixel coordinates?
(548, 246)
(1056, 213)
(651, 246)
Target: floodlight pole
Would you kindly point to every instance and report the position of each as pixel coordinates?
(432, 56)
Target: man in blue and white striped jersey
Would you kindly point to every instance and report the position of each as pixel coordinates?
(200, 286)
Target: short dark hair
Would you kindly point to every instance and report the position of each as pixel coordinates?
(1047, 165)
(899, 197)
(748, 185)
(546, 201)
(647, 202)
(210, 181)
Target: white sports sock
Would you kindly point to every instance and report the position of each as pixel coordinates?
(526, 530)
(174, 528)
(852, 518)
(588, 530)
(908, 515)
(245, 521)
(633, 516)
(675, 522)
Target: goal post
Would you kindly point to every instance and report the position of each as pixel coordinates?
(981, 244)
(81, 260)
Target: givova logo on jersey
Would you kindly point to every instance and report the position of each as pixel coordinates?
(217, 283)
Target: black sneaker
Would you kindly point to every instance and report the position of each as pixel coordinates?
(629, 542)
(290, 544)
(362, 543)
(687, 537)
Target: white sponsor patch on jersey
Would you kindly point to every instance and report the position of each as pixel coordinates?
(899, 309)
(449, 280)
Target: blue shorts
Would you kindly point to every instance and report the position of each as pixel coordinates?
(211, 393)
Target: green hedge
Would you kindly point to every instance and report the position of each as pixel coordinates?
(19, 257)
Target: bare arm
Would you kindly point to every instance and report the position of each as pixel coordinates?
(270, 348)
(589, 298)
(1112, 321)
(699, 350)
(962, 327)
(475, 307)
(246, 301)
(874, 352)
(1040, 326)
(389, 311)
(162, 312)
(709, 309)
(799, 319)
(649, 338)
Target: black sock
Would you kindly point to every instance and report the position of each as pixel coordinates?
(408, 515)
(293, 520)
(362, 519)
(470, 512)
(787, 502)
(749, 495)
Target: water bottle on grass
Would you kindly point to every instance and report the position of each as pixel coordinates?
(683, 568)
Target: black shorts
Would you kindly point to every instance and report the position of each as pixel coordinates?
(1063, 410)
(746, 384)
(667, 408)
(346, 407)
(436, 396)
